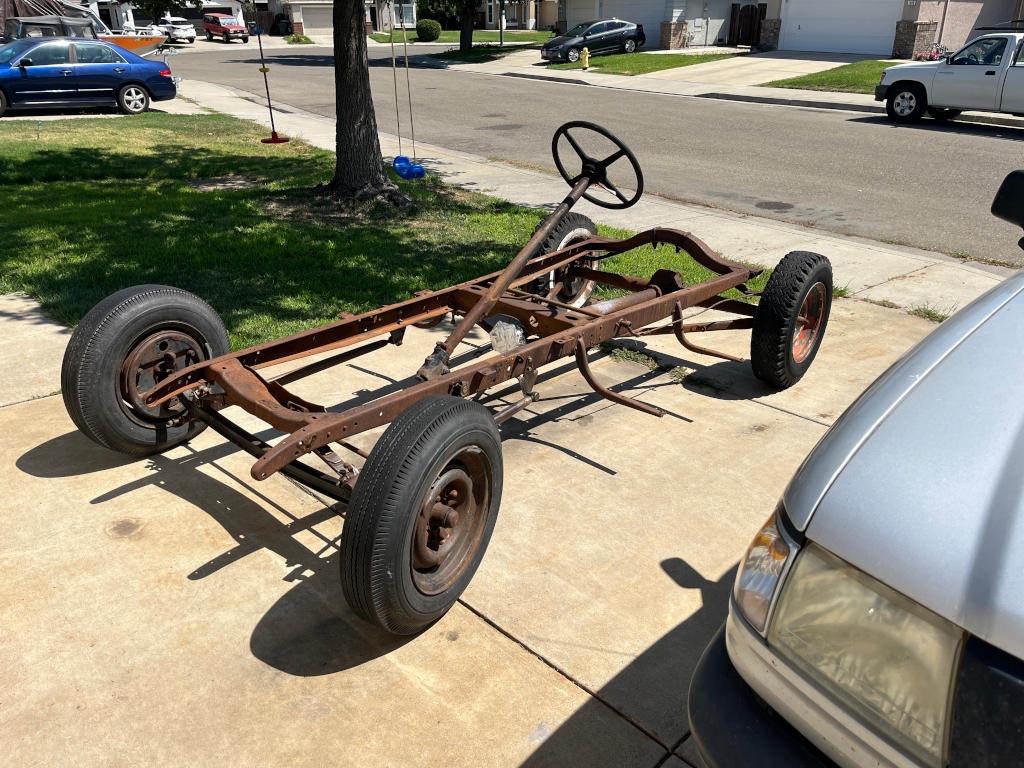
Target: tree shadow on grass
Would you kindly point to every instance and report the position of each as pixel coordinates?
(270, 261)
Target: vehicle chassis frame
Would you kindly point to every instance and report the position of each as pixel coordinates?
(561, 330)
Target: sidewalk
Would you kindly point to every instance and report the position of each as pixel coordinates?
(527, 64)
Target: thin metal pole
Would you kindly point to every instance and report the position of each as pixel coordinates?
(408, 86)
(394, 71)
(263, 67)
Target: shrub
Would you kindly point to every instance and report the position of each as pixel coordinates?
(428, 30)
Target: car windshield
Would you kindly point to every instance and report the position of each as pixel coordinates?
(11, 50)
(227, 21)
(177, 21)
(579, 29)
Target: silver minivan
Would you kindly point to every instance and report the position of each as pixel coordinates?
(878, 616)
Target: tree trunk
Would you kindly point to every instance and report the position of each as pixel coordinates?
(359, 173)
(468, 15)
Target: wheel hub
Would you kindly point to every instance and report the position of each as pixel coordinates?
(904, 103)
(808, 322)
(154, 359)
(437, 527)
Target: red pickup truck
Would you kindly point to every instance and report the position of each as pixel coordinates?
(227, 28)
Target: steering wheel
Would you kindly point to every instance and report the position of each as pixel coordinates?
(973, 58)
(597, 170)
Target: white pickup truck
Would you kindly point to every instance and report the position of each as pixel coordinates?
(986, 74)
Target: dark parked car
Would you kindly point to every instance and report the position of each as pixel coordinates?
(75, 72)
(601, 36)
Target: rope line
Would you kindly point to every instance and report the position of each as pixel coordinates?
(408, 86)
(394, 71)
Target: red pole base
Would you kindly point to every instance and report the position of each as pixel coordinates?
(275, 139)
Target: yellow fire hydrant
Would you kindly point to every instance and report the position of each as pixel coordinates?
(585, 58)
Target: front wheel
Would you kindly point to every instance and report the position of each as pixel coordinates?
(125, 346)
(421, 514)
(629, 46)
(225, 38)
(906, 103)
(560, 284)
(133, 100)
(943, 113)
(573, 55)
(791, 318)
(245, 39)
(209, 36)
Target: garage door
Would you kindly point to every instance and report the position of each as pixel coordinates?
(643, 12)
(317, 21)
(840, 26)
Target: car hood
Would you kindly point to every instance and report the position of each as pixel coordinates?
(918, 67)
(920, 483)
(556, 41)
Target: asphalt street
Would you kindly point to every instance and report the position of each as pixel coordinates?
(928, 186)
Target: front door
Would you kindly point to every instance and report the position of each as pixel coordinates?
(99, 71)
(49, 79)
(971, 80)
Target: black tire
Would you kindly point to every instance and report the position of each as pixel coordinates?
(209, 35)
(572, 228)
(943, 114)
(782, 345)
(906, 102)
(225, 39)
(629, 46)
(3, 103)
(429, 440)
(93, 380)
(133, 99)
(245, 39)
(191, 41)
(572, 55)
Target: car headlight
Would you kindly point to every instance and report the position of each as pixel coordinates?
(881, 655)
(556, 47)
(760, 572)
(882, 78)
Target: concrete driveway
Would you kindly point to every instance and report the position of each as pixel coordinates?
(758, 68)
(172, 611)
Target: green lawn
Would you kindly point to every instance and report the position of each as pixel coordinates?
(480, 53)
(641, 64)
(861, 77)
(479, 36)
(97, 205)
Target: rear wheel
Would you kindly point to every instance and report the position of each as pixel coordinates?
(191, 40)
(791, 318)
(126, 345)
(575, 291)
(133, 100)
(942, 113)
(421, 514)
(629, 46)
(209, 35)
(906, 103)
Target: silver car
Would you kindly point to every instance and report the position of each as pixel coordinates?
(878, 617)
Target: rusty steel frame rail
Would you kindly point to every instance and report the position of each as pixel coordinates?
(562, 332)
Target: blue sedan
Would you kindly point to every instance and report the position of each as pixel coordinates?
(76, 72)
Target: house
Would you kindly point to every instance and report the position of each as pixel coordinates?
(875, 27)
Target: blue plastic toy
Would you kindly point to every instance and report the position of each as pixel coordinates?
(408, 170)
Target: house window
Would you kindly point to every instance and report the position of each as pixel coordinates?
(490, 13)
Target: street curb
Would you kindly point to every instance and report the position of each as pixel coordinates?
(846, 107)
